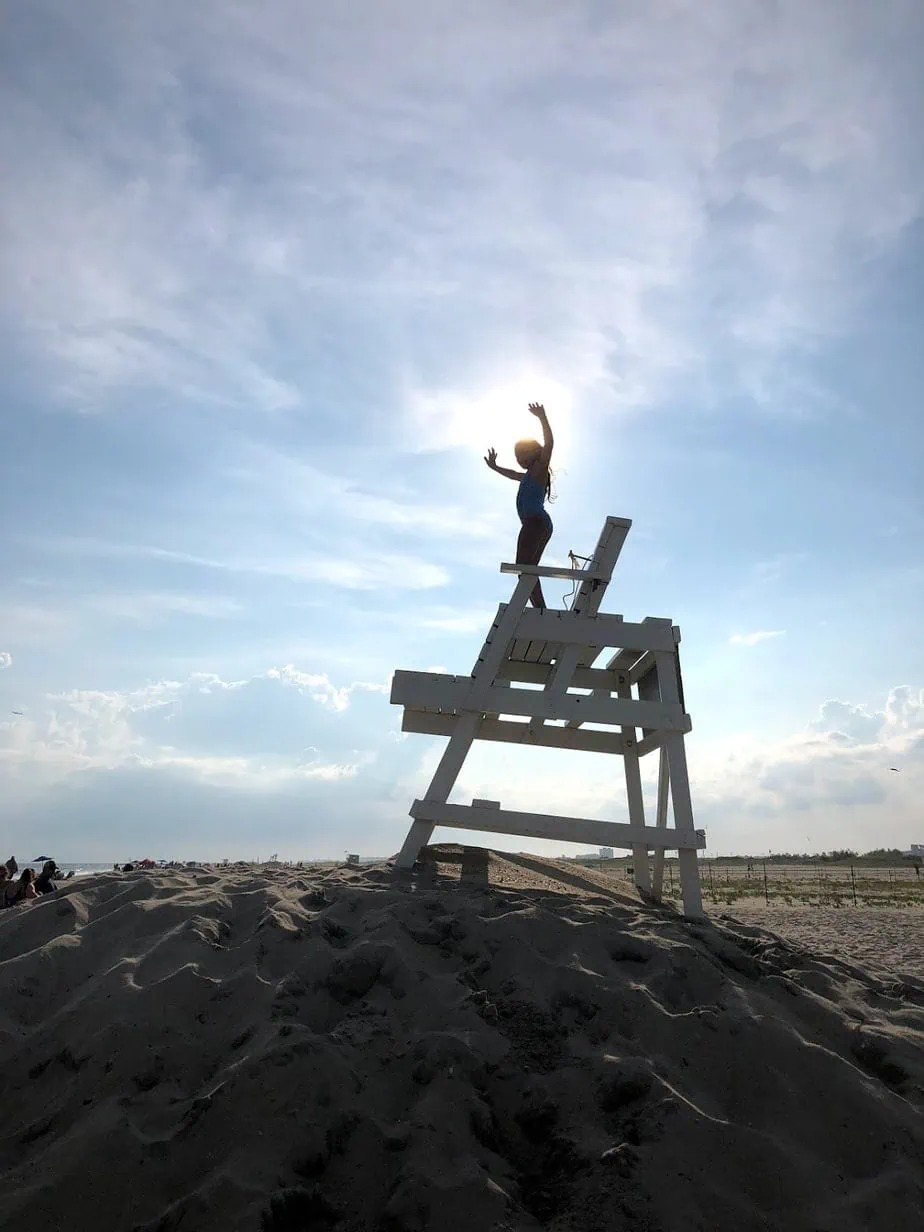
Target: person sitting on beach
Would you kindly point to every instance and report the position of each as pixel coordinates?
(43, 882)
(19, 891)
(535, 486)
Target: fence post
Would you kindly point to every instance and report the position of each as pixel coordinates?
(766, 890)
(853, 882)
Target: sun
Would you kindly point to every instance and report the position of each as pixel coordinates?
(499, 416)
(492, 412)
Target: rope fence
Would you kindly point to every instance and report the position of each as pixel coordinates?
(818, 884)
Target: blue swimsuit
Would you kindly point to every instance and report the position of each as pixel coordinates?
(531, 501)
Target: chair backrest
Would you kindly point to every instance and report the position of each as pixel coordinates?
(589, 594)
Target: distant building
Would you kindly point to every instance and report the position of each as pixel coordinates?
(606, 853)
(915, 851)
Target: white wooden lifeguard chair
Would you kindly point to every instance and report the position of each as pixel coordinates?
(598, 709)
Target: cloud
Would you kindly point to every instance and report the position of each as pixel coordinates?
(902, 716)
(458, 622)
(729, 184)
(153, 607)
(856, 723)
(751, 639)
(317, 756)
(304, 756)
(364, 570)
(168, 811)
(6, 659)
(826, 786)
(261, 728)
(320, 689)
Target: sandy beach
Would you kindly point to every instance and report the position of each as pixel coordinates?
(886, 940)
(497, 1043)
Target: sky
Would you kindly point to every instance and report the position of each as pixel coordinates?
(274, 277)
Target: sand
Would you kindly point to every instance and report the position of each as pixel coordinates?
(493, 1043)
(886, 940)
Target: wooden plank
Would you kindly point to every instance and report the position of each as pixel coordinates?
(501, 608)
(541, 673)
(649, 689)
(657, 874)
(560, 679)
(532, 650)
(634, 797)
(442, 783)
(589, 595)
(588, 654)
(564, 829)
(518, 649)
(553, 571)
(641, 667)
(512, 731)
(486, 668)
(680, 789)
(597, 630)
(420, 690)
(622, 661)
(451, 762)
(656, 740)
(501, 684)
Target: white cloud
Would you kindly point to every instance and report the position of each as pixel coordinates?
(248, 774)
(719, 194)
(319, 687)
(249, 731)
(6, 659)
(148, 608)
(279, 738)
(458, 622)
(362, 570)
(827, 786)
(856, 723)
(264, 475)
(751, 639)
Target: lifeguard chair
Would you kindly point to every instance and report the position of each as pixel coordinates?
(633, 699)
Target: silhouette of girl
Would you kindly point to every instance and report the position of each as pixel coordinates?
(535, 486)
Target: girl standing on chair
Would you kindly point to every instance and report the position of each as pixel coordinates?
(535, 486)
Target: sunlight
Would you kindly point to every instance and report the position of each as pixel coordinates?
(494, 415)
(499, 417)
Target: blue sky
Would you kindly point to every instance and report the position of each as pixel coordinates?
(273, 279)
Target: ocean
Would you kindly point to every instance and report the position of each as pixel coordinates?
(79, 870)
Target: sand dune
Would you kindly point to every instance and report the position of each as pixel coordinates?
(496, 1043)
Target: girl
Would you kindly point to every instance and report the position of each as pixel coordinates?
(535, 485)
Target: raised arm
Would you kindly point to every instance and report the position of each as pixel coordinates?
(540, 467)
(491, 460)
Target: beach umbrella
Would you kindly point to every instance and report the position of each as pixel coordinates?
(40, 859)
